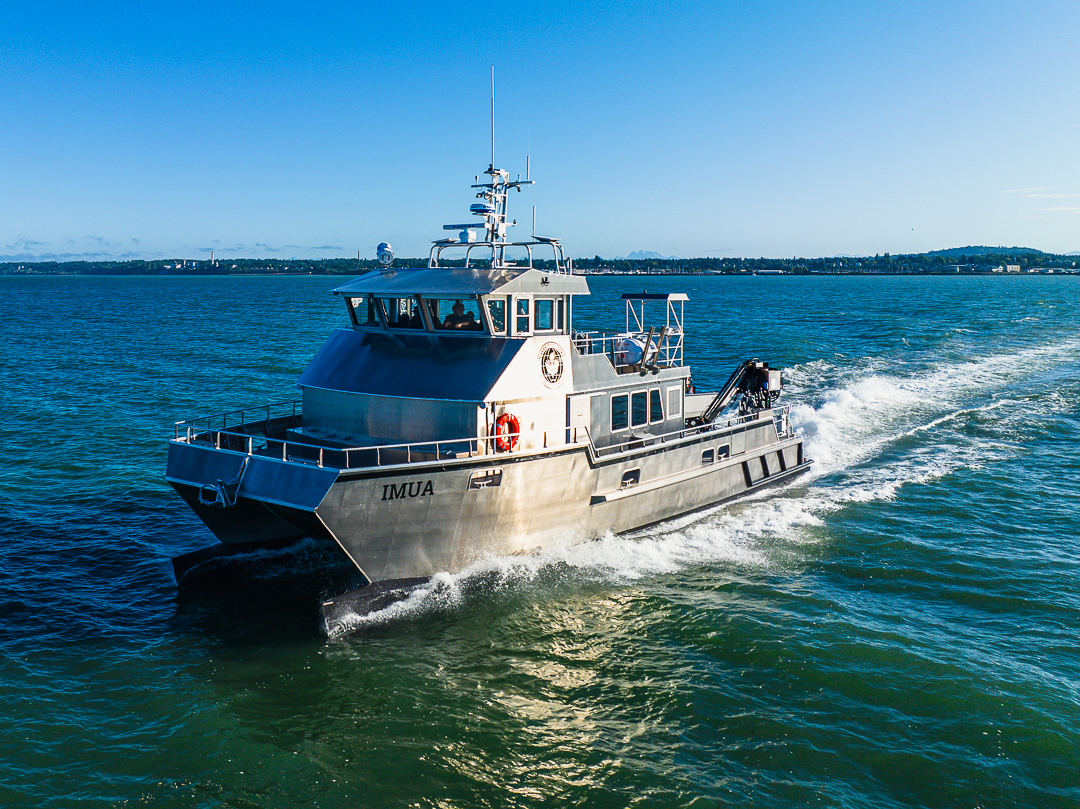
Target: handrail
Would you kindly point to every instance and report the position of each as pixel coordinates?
(375, 455)
(405, 454)
(782, 418)
(663, 353)
(563, 265)
(186, 425)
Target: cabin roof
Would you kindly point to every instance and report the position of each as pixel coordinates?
(655, 296)
(460, 282)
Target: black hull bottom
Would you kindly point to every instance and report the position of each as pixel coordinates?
(216, 564)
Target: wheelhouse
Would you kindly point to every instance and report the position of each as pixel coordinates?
(512, 302)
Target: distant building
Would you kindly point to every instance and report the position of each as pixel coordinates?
(1012, 268)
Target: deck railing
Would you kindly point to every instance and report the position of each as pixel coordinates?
(288, 412)
(257, 437)
(667, 355)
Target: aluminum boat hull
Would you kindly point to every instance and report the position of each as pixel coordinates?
(414, 521)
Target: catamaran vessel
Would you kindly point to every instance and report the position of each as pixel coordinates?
(462, 414)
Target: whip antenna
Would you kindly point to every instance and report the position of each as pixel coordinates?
(493, 116)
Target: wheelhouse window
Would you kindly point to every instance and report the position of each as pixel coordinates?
(497, 313)
(362, 311)
(620, 414)
(544, 316)
(521, 310)
(454, 314)
(402, 313)
(639, 408)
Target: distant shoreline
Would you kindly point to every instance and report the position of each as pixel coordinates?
(35, 273)
(708, 274)
(952, 262)
(971, 260)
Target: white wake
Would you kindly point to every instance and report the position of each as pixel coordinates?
(869, 434)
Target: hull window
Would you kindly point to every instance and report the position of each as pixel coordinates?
(706, 457)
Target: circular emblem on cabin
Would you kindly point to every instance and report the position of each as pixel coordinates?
(551, 364)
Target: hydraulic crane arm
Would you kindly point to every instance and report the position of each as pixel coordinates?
(757, 383)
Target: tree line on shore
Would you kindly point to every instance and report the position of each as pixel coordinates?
(978, 260)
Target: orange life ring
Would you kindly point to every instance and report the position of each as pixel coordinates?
(506, 441)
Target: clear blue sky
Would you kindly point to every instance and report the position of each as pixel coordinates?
(689, 129)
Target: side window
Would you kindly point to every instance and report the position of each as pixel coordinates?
(456, 314)
(544, 316)
(366, 315)
(674, 402)
(521, 309)
(619, 413)
(355, 306)
(656, 410)
(497, 310)
(706, 457)
(402, 313)
(560, 315)
(639, 408)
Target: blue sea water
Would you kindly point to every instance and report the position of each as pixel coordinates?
(899, 628)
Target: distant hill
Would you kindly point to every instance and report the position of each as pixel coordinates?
(641, 255)
(984, 251)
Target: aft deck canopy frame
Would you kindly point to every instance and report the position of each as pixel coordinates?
(672, 331)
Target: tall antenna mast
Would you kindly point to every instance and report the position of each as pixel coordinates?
(493, 116)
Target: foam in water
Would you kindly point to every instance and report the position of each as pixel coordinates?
(852, 422)
(845, 434)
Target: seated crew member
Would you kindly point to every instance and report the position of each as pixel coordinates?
(457, 318)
